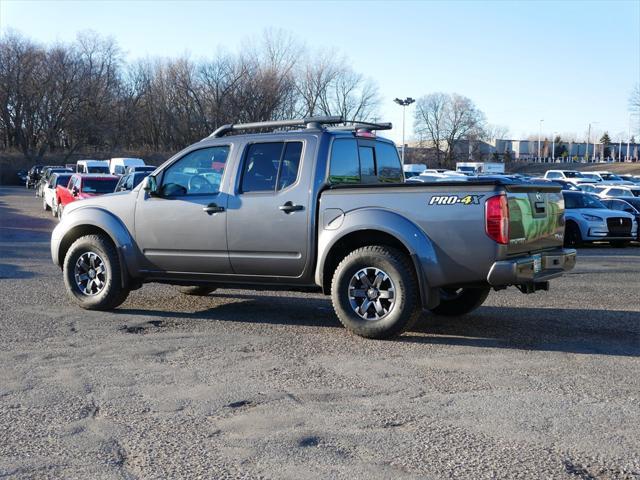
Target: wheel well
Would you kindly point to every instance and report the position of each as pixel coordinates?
(351, 242)
(74, 234)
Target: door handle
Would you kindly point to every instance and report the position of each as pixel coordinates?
(213, 208)
(289, 207)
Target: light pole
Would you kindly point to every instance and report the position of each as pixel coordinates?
(539, 135)
(586, 155)
(403, 104)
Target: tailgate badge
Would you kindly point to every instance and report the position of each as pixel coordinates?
(538, 196)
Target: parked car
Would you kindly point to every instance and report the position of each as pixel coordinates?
(324, 206)
(629, 205)
(22, 176)
(630, 178)
(606, 177)
(49, 191)
(46, 174)
(589, 187)
(33, 176)
(118, 166)
(72, 166)
(568, 175)
(587, 219)
(130, 181)
(92, 166)
(564, 184)
(83, 186)
(618, 191)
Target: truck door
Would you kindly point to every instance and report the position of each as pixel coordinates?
(268, 219)
(183, 229)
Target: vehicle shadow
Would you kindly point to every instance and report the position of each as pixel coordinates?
(584, 331)
(14, 272)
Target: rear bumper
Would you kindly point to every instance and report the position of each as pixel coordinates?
(521, 270)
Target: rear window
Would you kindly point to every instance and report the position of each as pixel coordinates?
(271, 166)
(93, 185)
(97, 169)
(365, 163)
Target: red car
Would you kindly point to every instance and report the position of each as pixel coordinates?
(84, 185)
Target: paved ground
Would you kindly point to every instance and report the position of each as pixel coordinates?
(245, 385)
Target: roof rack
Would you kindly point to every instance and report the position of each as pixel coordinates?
(310, 122)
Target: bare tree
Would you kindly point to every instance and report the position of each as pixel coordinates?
(431, 120)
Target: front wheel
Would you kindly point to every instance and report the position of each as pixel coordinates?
(375, 292)
(572, 235)
(459, 301)
(92, 273)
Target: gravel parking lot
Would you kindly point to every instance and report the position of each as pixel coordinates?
(246, 384)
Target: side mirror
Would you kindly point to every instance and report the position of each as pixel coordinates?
(74, 191)
(151, 186)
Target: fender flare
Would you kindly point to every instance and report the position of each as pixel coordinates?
(414, 239)
(97, 218)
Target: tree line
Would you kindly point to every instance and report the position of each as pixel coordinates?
(83, 96)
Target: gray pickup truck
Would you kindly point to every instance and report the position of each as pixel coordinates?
(314, 203)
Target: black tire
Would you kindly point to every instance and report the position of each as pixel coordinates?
(196, 290)
(456, 302)
(110, 294)
(572, 235)
(45, 207)
(398, 316)
(620, 243)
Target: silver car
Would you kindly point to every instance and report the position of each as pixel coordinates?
(587, 219)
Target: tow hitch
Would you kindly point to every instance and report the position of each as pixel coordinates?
(533, 287)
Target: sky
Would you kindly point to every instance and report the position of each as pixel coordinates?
(568, 63)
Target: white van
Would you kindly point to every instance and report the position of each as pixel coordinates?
(118, 166)
(92, 166)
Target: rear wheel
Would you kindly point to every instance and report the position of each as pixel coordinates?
(92, 273)
(196, 290)
(459, 301)
(375, 292)
(572, 235)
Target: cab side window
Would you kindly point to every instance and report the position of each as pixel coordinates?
(345, 164)
(198, 172)
(367, 162)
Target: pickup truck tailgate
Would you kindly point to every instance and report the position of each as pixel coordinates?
(536, 218)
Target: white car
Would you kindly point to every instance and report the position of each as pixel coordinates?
(618, 191)
(566, 175)
(49, 190)
(607, 177)
(119, 166)
(92, 166)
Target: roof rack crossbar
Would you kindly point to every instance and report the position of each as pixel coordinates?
(364, 126)
(310, 122)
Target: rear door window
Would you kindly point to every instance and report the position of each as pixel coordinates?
(270, 166)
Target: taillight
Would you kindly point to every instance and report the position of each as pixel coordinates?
(496, 218)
